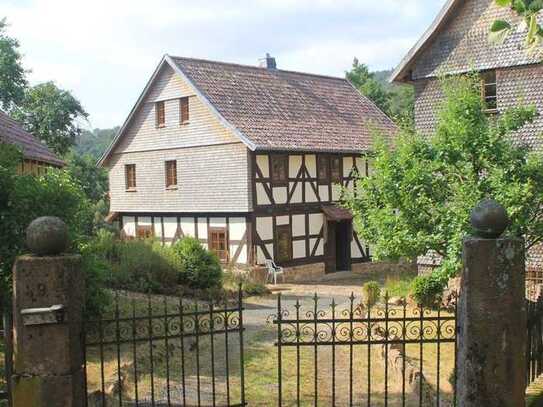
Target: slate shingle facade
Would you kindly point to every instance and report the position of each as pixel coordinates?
(457, 42)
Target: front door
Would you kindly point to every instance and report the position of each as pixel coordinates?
(343, 245)
(338, 245)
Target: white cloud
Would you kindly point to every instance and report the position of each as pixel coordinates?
(105, 50)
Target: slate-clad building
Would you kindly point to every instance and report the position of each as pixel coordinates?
(37, 157)
(249, 160)
(457, 42)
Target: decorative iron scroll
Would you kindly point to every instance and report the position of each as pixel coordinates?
(363, 325)
(182, 320)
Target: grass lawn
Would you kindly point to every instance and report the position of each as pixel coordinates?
(260, 366)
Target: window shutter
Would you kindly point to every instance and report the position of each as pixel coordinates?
(184, 109)
(322, 168)
(279, 169)
(171, 173)
(160, 114)
(130, 176)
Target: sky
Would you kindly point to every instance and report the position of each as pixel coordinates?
(104, 51)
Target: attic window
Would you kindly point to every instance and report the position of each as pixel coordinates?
(160, 114)
(489, 90)
(184, 110)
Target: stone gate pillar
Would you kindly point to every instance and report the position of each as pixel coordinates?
(492, 330)
(48, 298)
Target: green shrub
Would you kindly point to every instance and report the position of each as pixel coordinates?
(105, 244)
(371, 291)
(199, 268)
(97, 273)
(145, 266)
(428, 290)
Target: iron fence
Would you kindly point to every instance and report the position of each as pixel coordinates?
(534, 347)
(166, 352)
(393, 354)
(6, 348)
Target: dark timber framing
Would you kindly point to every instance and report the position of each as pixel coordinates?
(300, 186)
(157, 218)
(297, 202)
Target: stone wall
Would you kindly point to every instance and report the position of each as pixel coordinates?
(384, 266)
(297, 274)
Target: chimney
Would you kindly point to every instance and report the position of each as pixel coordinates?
(268, 62)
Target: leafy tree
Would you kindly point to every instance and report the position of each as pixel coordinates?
(528, 11)
(24, 198)
(51, 114)
(397, 101)
(420, 194)
(365, 81)
(12, 74)
(93, 180)
(94, 142)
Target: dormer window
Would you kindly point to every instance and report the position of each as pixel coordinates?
(160, 114)
(184, 110)
(490, 90)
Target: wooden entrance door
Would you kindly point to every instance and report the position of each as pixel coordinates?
(343, 245)
(338, 245)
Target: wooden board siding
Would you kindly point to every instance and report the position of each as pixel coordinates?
(33, 167)
(462, 45)
(513, 85)
(212, 162)
(168, 228)
(210, 179)
(203, 128)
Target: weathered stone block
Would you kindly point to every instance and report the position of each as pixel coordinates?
(492, 324)
(49, 391)
(40, 282)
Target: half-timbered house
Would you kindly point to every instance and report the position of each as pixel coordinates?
(249, 160)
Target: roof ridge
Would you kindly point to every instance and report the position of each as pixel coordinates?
(263, 69)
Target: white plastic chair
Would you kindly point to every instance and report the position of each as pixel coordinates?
(273, 270)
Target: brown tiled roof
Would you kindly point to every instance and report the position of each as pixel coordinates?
(283, 110)
(337, 213)
(11, 132)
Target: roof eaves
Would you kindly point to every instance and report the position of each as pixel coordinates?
(209, 105)
(364, 99)
(399, 73)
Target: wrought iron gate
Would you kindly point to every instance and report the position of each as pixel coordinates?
(166, 353)
(6, 349)
(386, 355)
(534, 347)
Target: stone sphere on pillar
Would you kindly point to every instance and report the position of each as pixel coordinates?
(489, 219)
(47, 236)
